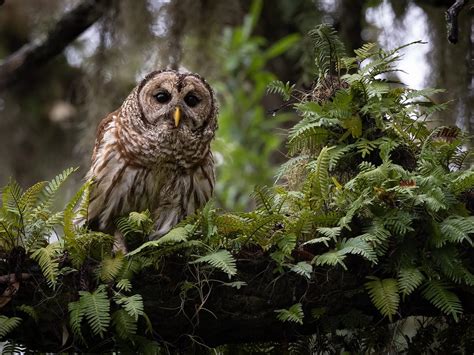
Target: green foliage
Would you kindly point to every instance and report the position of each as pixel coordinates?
(8, 324)
(94, 308)
(247, 136)
(329, 50)
(437, 292)
(409, 279)
(47, 258)
(384, 295)
(369, 189)
(221, 259)
(283, 89)
(362, 150)
(293, 314)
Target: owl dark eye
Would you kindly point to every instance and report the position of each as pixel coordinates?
(163, 97)
(191, 100)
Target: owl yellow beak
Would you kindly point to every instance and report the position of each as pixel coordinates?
(177, 116)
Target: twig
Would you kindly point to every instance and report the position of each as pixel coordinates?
(13, 278)
(452, 20)
(38, 52)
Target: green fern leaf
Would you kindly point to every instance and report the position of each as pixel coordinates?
(283, 89)
(8, 324)
(303, 268)
(307, 136)
(71, 237)
(125, 325)
(96, 310)
(358, 246)
(331, 258)
(110, 267)
(293, 314)
(456, 229)
(140, 223)
(409, 279)
(320, 176)
(332, 232)
(47, 258)
(51, 188)
(384, 295)
(76, 315)
(29, 310)
(133, 305)
(174, 236)
(124, 285)
(329, 49)
(221, 259)
(437, 292)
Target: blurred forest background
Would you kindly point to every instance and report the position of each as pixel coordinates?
(48, 117)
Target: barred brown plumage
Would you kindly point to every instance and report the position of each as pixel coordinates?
(154, 152)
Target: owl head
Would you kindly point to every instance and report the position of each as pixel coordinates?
(177, 101)
(176, 113)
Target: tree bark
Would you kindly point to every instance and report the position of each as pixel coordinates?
(214, 313)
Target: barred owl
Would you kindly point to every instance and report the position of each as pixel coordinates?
(154, 153)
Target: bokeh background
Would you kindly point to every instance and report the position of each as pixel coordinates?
(48, 119)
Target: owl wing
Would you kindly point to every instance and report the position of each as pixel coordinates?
(101, 129)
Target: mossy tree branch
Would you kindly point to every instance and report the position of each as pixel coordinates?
(229, 315)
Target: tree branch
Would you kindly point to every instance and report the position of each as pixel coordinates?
(452, 20)
(214, 313)
(38, 52)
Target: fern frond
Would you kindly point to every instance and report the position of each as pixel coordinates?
(125, 325)
(96, 310)
(286, 242)
(463, 182)
(11, 196)
(30, 197)
(290, 165)
(329, 49)
(309, 137)
(283, 89)
(76, 315)
(319, 177)
(228, 224)
(71, 237)
(366, 51)
(358, 246)
(437, 292)
(457, 229)
(264, 198)
(8, 324)
(293, 314)
(133, 305)
(384, 295)
(29, 310)
(47, 258)
(174, 236)
(140, 223)
(124, 285)
(50, 190)
(221, 259)
(448, 260)
(330, 258)
(409, 279)
(303, 268)
(330, 232)
(110, 267)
